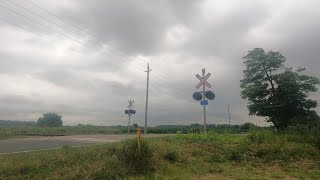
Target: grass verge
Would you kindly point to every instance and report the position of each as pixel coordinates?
(259, 155)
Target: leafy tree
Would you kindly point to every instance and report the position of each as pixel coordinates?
(278, 93)
(50, 120)
(247, 126)
(135, 125)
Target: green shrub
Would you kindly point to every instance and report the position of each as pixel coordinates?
(217, 158)
(261, 136)
(137, 162)
(237, 153)
(305, 134)
(236, 156)
(112, 170)
(171, 156)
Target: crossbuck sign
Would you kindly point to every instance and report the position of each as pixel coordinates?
(130, 106)
(203, 79)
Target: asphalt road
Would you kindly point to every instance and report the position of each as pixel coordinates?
(29, 144)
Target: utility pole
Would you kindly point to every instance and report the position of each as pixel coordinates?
(229, 114)
(147, 98)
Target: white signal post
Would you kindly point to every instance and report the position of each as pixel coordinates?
(204, 83)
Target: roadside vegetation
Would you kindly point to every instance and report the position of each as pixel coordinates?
(260, 154)
(14, 128)
(55, 131)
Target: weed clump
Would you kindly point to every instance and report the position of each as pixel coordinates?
(171, 156)
(112, 170)
(137, 161)
(261, 137)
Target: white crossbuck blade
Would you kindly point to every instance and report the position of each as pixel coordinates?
(130, 106)
(203, 81)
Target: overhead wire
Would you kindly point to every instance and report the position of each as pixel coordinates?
(82, 43)
(77, 27)
(47, 27)
(42, 36)
(152, 89)
(73, 24)
(56, 24)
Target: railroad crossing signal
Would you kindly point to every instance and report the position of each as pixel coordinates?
(130, 111)
(201, 96)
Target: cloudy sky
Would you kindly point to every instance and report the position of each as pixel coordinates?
(85, 59)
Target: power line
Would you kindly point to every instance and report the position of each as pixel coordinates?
(43, 18)
(64, 20)
(95, 43)
(159, 74)
(123, 53)
(40, 24)
(154, 88)
(79, 42)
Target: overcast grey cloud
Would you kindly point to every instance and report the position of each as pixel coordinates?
(86, 59)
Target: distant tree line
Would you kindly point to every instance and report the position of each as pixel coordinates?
(197, 128)
(9, 123)
(35, 129)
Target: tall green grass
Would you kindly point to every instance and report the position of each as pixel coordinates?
(257, 155)
(65, 130)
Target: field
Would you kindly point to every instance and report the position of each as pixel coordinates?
(23, 129)
(257, 155)
(65, 130)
